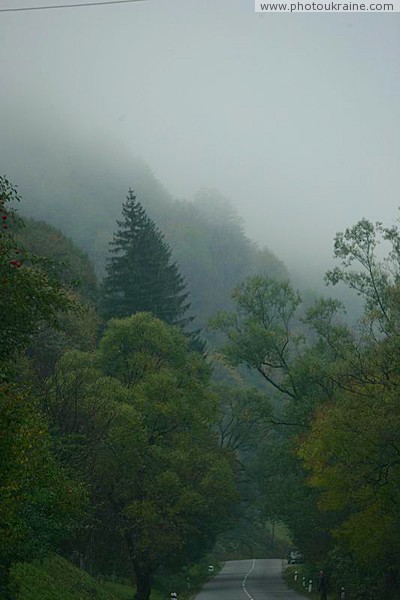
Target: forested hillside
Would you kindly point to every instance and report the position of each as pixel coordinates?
(199, 300)
(206, 234)
(121, 452)
(108, 442)
(329, 469)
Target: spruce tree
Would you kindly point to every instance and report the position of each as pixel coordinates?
(140, 273)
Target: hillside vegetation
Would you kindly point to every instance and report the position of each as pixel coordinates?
(122, 453)
(54, 578)
(205, 233)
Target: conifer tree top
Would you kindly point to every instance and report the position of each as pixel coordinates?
(141, 275)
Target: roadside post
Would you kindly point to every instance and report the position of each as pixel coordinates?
(296, 575)
(310, 586)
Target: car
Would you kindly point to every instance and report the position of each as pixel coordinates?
(295, 557)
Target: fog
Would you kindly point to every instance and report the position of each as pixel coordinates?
(293, 117)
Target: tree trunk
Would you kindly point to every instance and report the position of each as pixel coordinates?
(143, 585)
(143, 570)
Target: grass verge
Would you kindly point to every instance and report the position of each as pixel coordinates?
(54, 578)
(303, 572)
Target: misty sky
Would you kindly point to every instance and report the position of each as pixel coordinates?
(294, 117)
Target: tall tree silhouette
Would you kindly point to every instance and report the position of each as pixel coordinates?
(140, 273)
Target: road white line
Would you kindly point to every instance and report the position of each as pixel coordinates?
(250, 597)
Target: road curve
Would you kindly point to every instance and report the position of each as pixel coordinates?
(258, 579)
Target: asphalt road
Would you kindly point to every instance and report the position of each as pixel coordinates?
(249, 580)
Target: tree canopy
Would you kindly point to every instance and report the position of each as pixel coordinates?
(28, 294)
(331, 471)
(166, 485)
(140, 273)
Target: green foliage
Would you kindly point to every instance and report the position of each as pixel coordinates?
(352, 453)
(261, 334)
(145, 344)
(352, 448)
(123, 592)
(28, 295)
(54, 578)
(340, 383)
(309, 573)
(39, 505)
(375, 280)
(284, 495)
(81, 406)
(178, 482)
(344, 392)
(68, 266)
(157, 473)
(206, 235)
(266, 333)
(140, 274)
(244, 414)
(66, 262)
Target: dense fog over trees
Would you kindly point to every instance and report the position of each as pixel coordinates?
(199, 297)
(294, 119)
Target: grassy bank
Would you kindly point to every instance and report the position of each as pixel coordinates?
(187, 583)
(54, 578)
(302, 571)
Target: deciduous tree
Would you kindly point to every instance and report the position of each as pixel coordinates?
(159, 473)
